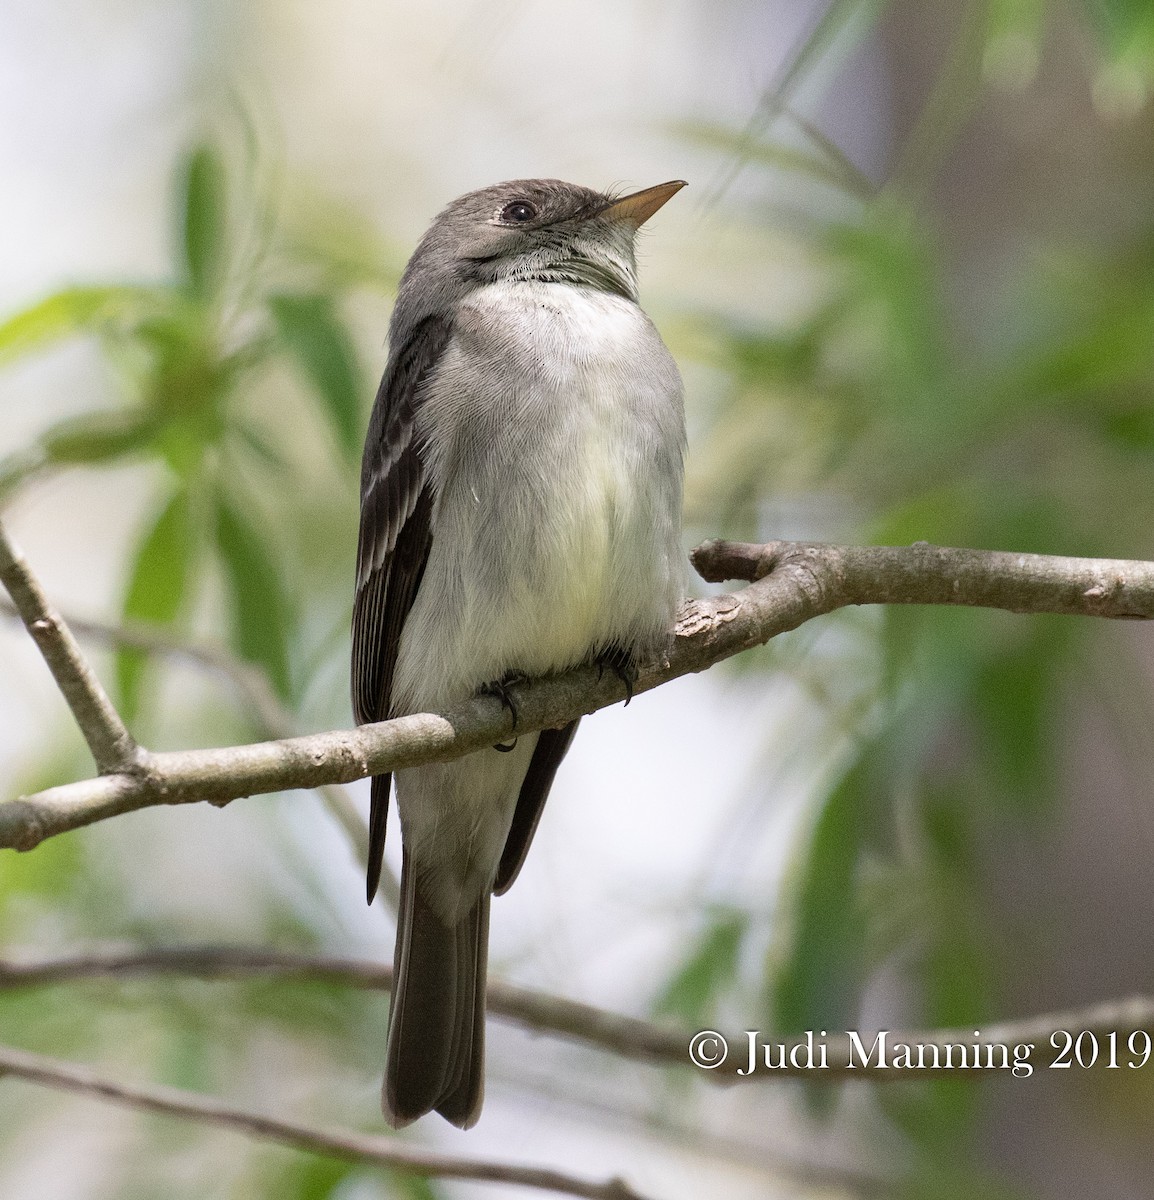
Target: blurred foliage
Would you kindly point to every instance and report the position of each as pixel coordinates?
(892, 401)
(1025, 426)
(252, 302)
(188, 354)
(706, 970)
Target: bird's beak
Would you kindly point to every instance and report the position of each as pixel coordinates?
(640, 206)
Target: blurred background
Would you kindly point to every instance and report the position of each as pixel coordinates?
(911, 289)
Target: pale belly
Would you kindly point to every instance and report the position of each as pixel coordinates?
(556, 531)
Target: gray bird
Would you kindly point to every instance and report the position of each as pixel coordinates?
(520, 515)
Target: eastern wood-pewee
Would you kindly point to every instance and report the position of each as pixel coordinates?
(520, 514)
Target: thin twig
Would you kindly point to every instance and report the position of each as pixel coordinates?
(540, 1011)
(249, 680)
(272, 715)
(834, 1054)
(388, 1151)
(795, 583)
(112, 746)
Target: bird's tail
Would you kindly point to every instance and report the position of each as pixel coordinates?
(437, 1021)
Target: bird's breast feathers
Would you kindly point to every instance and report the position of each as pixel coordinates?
(553, 432)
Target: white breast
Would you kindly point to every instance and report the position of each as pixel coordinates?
(554, 432)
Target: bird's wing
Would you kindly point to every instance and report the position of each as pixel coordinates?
(551, 747)
(395, 536)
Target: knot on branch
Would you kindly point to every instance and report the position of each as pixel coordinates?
(1109, 596)
(810, 566)
(134, 762)
(22, 826)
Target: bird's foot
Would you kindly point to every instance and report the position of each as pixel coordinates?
(501, 689)
(622, 663)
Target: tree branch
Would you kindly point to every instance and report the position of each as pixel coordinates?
(275, 719)
(387, 1151)
(615, 1033)
(111, 744)
(923, 574)
(534, 1010)
(794, 582)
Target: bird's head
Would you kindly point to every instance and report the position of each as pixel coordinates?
(530, 229)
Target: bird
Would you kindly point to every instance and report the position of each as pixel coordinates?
(521, 493)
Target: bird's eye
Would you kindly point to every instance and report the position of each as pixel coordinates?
(518, 212)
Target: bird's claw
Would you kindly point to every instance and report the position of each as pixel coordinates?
(622, 664)
(501, 688)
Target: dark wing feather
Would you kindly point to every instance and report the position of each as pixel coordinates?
(551, 747)
(395, 536)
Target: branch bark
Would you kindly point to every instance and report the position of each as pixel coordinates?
(112, 746)
(793, 583)
(387, 1151)
(615, 1033)
(924, 574)
(274, 718)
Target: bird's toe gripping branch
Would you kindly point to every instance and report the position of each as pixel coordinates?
(502, 689)
(622, 663)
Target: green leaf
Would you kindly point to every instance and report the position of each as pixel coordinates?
(73, 311)
(892, 302)
(311, 331)
(816, 983)
(1124, 26)
(203, 220)
(1013, 38)
(309, 1177)
(1126, 32)
(312, 1177)
(955, 975)
(1110, 350)
(414, 1187)
(49, 876)
(261, 449)
(817, 968)
(157, 584)
(946, 1176)
(99, 437)
(1015, 701)
(260, 615)
(711, 965)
